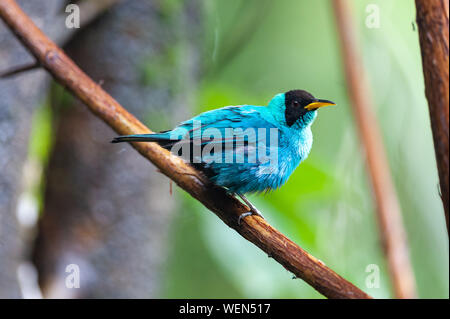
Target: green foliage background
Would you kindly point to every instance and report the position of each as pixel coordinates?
(256, 49)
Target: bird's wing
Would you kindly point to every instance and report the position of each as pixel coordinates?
(221, 120)
(229, 133)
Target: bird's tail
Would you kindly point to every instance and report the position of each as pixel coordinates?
(157, 137)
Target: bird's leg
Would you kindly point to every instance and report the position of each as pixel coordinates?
(253, 209)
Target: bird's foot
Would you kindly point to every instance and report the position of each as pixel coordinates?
(242, 216)
(253, 210)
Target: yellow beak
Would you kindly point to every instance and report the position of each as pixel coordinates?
(318, 104)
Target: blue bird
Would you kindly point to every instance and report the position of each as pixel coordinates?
(247, 148)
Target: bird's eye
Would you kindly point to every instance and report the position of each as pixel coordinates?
(296, 104)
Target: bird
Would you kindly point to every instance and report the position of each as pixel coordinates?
(245, 148)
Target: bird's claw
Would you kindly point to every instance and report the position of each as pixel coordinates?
(242, 216)
(252, 211)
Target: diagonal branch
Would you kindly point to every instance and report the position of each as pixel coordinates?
(227, 208)
(388, 210)
(432, 20)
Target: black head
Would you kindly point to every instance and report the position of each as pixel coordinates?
(300, 102)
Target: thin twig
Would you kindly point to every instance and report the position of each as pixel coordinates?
(432, 21)
(227, 208)
(19, 69)
(388, 209)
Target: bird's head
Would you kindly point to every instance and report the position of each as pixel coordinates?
(297, 107)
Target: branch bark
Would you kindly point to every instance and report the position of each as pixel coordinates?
(227, 208)
(432, 21)
(388, 210)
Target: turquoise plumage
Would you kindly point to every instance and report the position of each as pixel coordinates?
(245, 148)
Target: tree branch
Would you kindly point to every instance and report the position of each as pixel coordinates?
(389, 215)
(227, 208)
(432, 20)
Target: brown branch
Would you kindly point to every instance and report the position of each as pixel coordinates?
(432, 20)
(227, 208)
(388, 210)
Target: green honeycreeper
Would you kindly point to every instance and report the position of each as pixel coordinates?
(245, 148)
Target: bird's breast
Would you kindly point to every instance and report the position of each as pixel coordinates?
(305, 143)
(296, 144)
